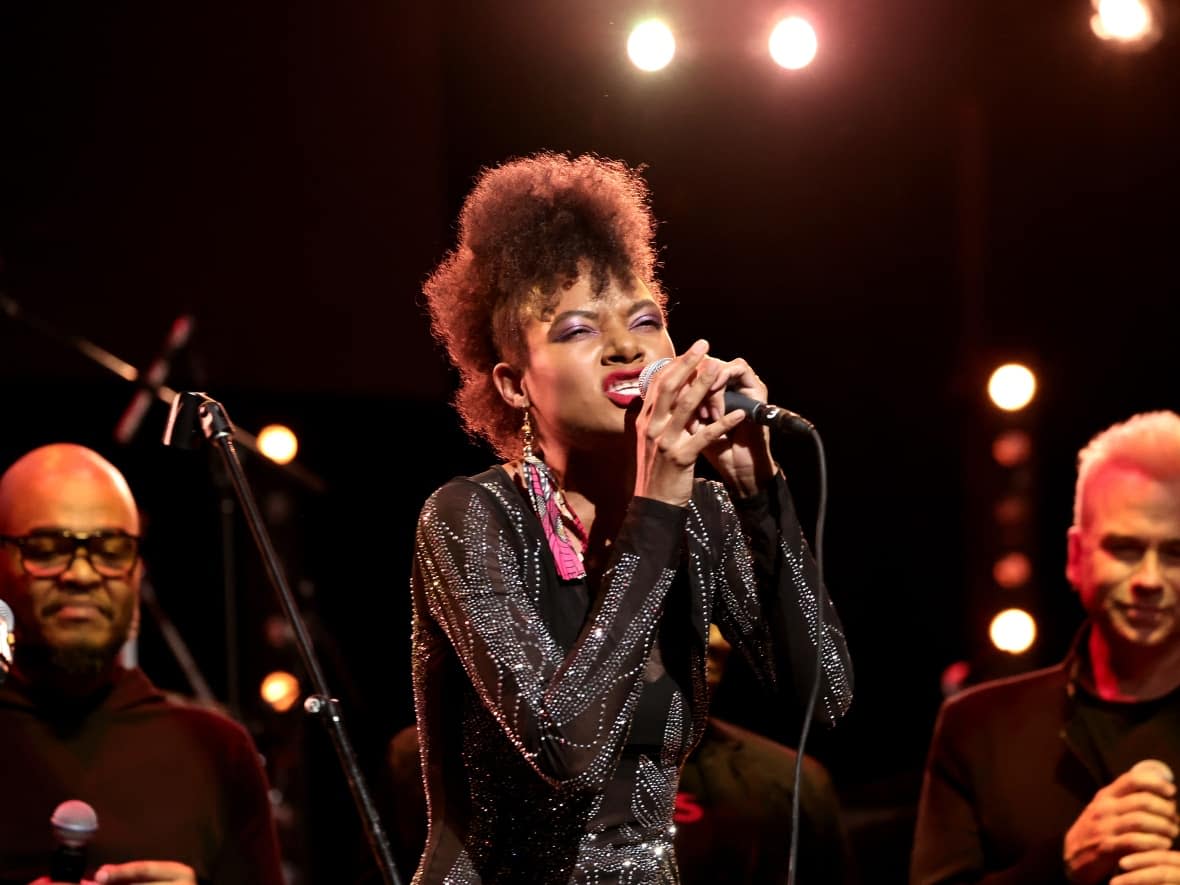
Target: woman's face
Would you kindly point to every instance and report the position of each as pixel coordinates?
(584, 360)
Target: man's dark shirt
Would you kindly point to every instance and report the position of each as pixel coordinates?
(1014, 762)
(167, 781)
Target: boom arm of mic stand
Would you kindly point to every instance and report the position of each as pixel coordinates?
(176, 644)
(128, 372)
(193, 410)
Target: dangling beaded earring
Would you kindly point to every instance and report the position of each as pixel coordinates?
(526, 437)
(549, 504)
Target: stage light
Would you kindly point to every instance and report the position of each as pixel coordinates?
(1013, 630)
(954, 678)
(651, 45)
(1012, 570)
(1011, 448)
(1012, 387)
(1134, 23)
(793, 43)
(1011, 510)
(280, 690)
(278, 443)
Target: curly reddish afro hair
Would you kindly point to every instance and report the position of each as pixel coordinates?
(529, 225)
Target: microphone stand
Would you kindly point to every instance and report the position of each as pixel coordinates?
(193, 416)
(227, 511)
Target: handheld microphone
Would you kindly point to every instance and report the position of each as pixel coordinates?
(7, 626)
(74, 825)
(152, 380)
(775, 417)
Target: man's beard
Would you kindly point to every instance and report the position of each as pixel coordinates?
(85, 662)
(76, 661)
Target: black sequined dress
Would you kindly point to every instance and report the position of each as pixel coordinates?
(554, 716)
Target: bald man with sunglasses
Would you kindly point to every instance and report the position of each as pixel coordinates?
(180, 793)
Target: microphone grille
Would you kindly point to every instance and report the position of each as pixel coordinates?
(649, 372)
(7, 616)
(74, 822)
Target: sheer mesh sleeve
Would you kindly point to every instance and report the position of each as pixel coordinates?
(766, 596)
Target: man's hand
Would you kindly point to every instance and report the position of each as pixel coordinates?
(146, 872)
(1134, 816)
(1148, 868)
(141, 872)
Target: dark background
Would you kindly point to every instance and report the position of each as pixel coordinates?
(950, 185)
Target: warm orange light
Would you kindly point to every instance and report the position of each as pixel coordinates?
(793, 43)
(651, 45)
(280, 690)
(1012, 387)
(1011, 510)
(1013, 630)
(1011, 448)
(278, 443)
(1012, 570)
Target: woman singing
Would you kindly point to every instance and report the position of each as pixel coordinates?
(562, 599)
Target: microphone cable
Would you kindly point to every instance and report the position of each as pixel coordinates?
(795, 423)
(821, 602)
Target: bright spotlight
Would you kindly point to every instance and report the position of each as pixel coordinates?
(1013, 630)
(1128, 22)
(651, 45)
(280, 690)
(1012, 387)
(278, 443)
(793, 43)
